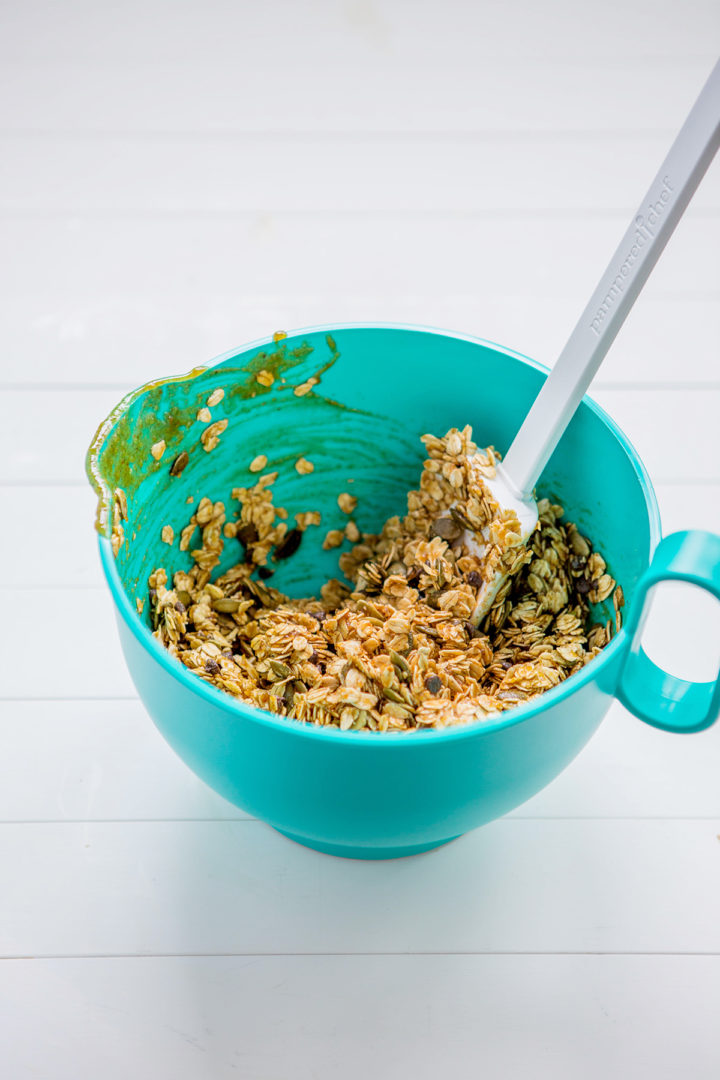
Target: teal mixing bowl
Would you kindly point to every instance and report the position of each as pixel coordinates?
(356, 793)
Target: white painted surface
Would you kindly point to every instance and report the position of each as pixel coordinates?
(322, 1017)
(120, 174)
(148, 294)
(178, 178)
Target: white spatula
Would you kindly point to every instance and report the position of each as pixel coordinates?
(607, 309)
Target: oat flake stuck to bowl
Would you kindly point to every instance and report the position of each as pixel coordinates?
(395, 651)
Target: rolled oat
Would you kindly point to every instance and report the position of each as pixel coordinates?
(216, 397)
(211, 435)
(346, 502)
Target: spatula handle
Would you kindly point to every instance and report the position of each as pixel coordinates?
(629, 269)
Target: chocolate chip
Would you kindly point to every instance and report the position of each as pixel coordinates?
(433, 684)
(472, 629)
(247, 534)
(314, 658)
(475, 579)
(289, 545)
(179, 463)
(212, 667)
(577, 563)
(265, 572)
(583, 585)
(179, 606)
(446, 528)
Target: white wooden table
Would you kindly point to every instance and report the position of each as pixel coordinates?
(179, 178)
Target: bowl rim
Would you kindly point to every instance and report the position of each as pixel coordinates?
(225, 701)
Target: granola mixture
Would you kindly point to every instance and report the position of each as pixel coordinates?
(396, 650)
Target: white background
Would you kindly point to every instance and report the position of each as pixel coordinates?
(177, 178)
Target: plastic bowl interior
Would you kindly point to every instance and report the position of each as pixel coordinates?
(379, 390)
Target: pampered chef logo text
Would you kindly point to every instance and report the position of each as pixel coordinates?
(644, 232)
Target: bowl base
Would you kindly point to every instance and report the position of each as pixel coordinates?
(344, 851)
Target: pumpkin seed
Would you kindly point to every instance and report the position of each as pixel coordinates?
(227, 605)
(392, 695)
(446, 528)
(280, 669)
(399, 662)
(179, 463)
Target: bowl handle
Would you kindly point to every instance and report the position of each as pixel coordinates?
(652, 694)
